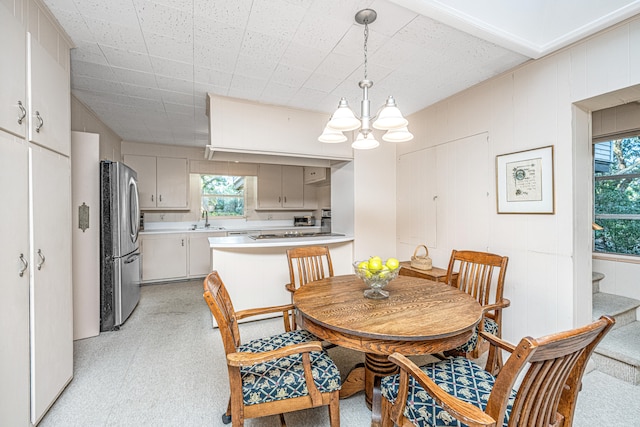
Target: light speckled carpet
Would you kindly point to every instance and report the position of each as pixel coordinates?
(166, 367)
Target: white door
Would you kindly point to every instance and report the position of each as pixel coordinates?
(172, 182)
(14, 286)
(292, 186)
(164, 257)
(269, 186)
(49, 100)
(51, 287)
(13, 74)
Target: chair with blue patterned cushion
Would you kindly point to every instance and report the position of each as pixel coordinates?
(481, 275)
(273, 375)
(457, 392)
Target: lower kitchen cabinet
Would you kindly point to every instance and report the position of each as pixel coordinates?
(200, 252)
(164, 257)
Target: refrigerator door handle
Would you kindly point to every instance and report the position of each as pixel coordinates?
(131, 258)
(134, 212)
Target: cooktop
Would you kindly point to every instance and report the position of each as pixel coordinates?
(290, 234)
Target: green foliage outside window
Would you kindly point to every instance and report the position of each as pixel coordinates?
(223, 195)
(617, 197)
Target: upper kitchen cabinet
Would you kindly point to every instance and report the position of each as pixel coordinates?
(280, 130)
(316, 175)
(163, 182)
(13, 75)
(49, 100)
(280, 187)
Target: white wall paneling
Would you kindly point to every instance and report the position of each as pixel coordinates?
(548, 278)
(445, 198)
(85, 189)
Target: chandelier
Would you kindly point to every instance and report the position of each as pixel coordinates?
(388, 118)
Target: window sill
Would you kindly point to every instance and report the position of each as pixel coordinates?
(616, 257)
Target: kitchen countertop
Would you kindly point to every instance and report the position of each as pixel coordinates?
(232, 242)
(214, 229)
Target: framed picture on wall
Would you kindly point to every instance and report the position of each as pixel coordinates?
(524, 182)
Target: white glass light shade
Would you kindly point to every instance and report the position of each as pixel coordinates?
(390, 117)
(398, 135)
(331, 136)
(344, 119)
(362, 143)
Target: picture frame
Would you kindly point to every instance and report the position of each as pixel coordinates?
(525, 183)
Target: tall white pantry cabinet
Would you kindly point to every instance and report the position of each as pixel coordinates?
(36, 303)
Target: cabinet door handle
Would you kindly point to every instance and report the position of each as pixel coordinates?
(152, 197)
(160, 197)
(25, 265)
(23, 113)
(42, 259)
(279, 199)
(40, 121)
(285, 199)
(182, 242)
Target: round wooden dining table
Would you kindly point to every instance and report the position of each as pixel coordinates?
(419, 317)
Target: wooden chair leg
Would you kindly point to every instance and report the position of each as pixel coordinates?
(334, 409)
(282, 421)
(386, 413)
(226, 417)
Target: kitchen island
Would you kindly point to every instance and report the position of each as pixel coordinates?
(255, 271)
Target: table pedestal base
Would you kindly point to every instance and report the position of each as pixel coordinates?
(367, 378)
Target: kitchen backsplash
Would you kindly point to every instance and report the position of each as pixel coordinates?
(227, 223)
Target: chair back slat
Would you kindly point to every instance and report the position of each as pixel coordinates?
(308, 264)
(219, 302)
(475, 274)
(553, 367)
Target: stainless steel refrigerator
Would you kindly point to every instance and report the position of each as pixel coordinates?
(119, 248)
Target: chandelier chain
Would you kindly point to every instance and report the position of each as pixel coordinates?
(366, 39)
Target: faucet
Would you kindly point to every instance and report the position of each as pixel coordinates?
(206, 219)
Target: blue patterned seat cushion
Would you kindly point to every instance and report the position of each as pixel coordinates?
(457, 376)
(490, 326)
(284, 378)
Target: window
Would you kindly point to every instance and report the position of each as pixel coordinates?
(616, 196)
(223, 195)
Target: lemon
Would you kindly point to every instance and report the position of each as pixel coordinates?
(392, 263)
(375, 264)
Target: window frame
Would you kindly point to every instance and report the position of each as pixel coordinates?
(630, 257)
(204, 195)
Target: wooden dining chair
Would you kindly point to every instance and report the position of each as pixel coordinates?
(308, 264)
(272, 375)
(457, 390)
(481, 275)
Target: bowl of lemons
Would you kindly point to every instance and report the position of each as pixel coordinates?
(376, 274)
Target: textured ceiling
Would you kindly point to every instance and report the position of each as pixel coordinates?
(144, 67)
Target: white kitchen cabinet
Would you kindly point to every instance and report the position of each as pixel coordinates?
(280, 187)
(39, 327)
(36, 317)
(163, 182)
(51, 290)
(13, 86)
(164, 257)
(49, 100)
(14, 291)
(200, 252)
(313, 175)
